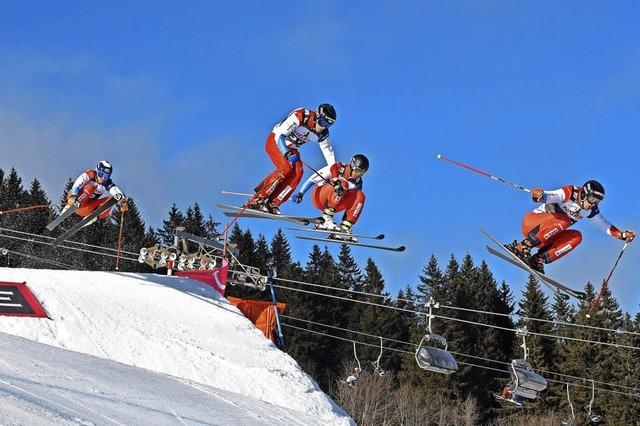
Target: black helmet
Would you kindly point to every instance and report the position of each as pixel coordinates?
(326, 115)
(593, 191)
(359, 163)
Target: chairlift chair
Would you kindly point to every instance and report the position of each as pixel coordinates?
(355, 376)
(376, 365)
(525, 382)
(571, 421)
(433, 358)
(593, 418)
(429, 356)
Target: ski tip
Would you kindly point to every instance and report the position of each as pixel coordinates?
(379, 237)
(401, 248)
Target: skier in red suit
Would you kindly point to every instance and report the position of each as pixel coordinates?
(338, 188)
(547, 227)
(299, 127)
(91, 185)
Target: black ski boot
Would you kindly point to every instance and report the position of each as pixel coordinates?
(536, 262)
(521, 250)
(258, 203)
(272, 208)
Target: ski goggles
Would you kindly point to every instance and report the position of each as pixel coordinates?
(325, 122)
(357, 171)
(103, 175)
(593, 199)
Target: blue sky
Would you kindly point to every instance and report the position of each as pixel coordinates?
(181, 95)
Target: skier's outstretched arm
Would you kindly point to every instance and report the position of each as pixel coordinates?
(561, 195)
(327, 150)
(602, 223)
(314, 179)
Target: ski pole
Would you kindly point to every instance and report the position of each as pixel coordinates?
(605, 283)
(314, 171)
(20, 209)
(480, 172)
(119, 241)
(243, 194)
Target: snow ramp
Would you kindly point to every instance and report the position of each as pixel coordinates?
(168, 325)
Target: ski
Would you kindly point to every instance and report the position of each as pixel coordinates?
(352, 243)
(75, 228)
(344, 234)
(65, 214)
(514, 260)
(256, 214)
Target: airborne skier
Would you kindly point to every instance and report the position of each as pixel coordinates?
(90, 186)
(546, 227)
(299, 127)
(338, 188)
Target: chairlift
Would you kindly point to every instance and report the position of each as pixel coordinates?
(571, 421)
(429, 356)
(524, 381)
(355, 376)
(376, 365)
(593, 418)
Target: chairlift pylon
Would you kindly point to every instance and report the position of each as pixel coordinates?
(431, 357)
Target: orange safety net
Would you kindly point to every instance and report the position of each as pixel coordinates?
(260, 313)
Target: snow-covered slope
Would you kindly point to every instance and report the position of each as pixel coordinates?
(168, 325)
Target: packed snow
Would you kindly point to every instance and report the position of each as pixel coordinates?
(146, 349)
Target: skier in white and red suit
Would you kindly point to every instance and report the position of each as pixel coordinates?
(547, 227)
(338, 188)
(93, 184)
(299, 127)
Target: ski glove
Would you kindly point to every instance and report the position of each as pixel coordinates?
(292, 156)
(124, 206)
(337, 187)
(71, 199)
(627, 236)
(537, 195)
(298, 198)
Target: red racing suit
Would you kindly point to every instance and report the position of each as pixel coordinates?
(324, 194)
(281, 145)
(87, 184)
(546, 227)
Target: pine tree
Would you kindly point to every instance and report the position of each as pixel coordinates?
(262, 254)
(350, 278)
(34, 221)
(540, 349)
(13, 196)
(194, 222)
(211, 228)
(176, 218)
(375, 320)
(134, 236)
(431, 283)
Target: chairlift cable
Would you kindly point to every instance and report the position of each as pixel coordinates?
(553, 336)
(40, 259)
(388, 339)
(461, 362)
(456, 308)
(67, 241)
(67, 247)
